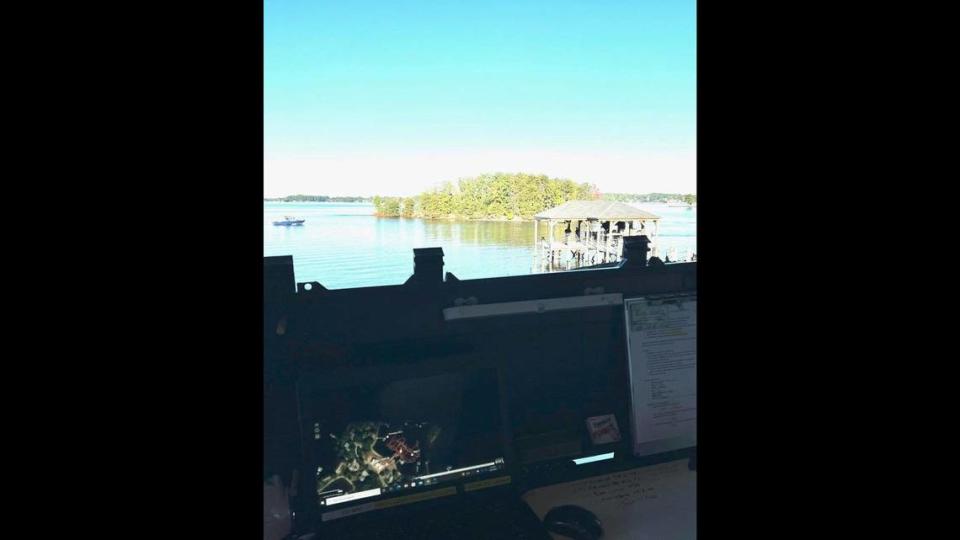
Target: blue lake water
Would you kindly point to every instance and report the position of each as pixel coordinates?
(344, 245)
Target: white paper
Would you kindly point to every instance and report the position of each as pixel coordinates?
(662, 349)
(649, 503)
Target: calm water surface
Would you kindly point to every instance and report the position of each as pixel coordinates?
(343, 245)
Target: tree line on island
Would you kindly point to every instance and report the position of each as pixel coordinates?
(504, 196)
(488, 196)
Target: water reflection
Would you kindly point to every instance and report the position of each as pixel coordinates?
(506, 233)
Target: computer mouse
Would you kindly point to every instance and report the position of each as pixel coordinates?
(573, 522)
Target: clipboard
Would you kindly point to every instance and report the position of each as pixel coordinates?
(662, 356)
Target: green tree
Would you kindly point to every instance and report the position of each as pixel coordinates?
(496, 195)
(408, 207)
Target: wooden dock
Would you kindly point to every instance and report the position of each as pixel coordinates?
(589, 233)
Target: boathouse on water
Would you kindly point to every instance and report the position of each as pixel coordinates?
(585, 233)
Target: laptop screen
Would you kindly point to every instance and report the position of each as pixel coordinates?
(377, 440)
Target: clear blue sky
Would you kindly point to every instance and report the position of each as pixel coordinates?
(390, 97)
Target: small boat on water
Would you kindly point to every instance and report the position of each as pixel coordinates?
(288, 221)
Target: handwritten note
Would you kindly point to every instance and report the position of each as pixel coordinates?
(656, 502)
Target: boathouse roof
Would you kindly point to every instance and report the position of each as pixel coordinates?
(602, 210)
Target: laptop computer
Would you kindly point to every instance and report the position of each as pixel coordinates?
(408, 451)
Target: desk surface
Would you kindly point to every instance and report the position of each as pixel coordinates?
(656, 502)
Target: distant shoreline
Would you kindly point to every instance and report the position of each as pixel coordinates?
(315, 202)
(453, 218)
(370, 202)
(319, 198)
